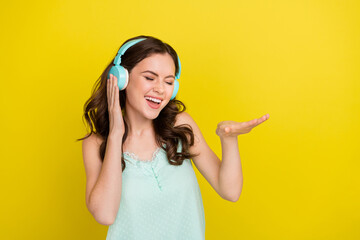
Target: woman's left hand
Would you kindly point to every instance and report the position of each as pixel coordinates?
(233, 129)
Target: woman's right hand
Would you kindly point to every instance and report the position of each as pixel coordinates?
(116, 122)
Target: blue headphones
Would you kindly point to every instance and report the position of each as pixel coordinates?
(122, 73)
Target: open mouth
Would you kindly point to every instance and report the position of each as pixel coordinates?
(153, 103)
(153, 100)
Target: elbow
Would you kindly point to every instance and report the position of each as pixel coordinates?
(231, 192)
(232, 197)
(105, 220)
(101, 216)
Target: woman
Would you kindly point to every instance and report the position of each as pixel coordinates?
(140, 180)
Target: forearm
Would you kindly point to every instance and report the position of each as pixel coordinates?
(105, 197)
(230, 175)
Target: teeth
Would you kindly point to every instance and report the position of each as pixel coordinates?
(153, 99)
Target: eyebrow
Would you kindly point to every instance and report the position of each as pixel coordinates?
(157, 74)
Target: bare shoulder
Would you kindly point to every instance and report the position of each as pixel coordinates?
(91, 146)
(184, 118)
(90, 150)
(93, 139)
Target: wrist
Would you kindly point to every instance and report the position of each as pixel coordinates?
(229, 140)
(115, 135)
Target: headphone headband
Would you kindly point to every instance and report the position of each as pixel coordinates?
(122, 73)
(122, 50)
(126, 46)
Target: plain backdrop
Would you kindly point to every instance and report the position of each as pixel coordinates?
(296, 60)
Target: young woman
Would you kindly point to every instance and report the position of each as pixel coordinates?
(139, 177)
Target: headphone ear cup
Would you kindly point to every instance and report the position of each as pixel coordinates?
(176, 89)
(121, 74)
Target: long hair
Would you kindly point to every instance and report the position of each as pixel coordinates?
(97, 115)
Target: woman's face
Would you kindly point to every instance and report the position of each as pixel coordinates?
(152, 77)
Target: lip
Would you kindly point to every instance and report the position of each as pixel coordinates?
(154, 97)
(152, 105)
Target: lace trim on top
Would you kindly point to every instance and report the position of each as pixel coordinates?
(135, 157)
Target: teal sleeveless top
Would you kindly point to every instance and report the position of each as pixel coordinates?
(158, 201)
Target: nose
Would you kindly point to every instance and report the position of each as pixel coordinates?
(159, 87)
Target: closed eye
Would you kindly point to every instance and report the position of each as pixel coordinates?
(169, 83)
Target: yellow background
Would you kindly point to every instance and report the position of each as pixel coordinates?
(296, 60)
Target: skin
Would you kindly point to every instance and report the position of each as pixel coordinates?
(224, 176)
(230, 129)
(139, 115)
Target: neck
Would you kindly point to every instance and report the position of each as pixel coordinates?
(138, 125)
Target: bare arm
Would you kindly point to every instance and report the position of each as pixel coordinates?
(209, 165)
(224, 176)
(103, 189)
(230, 174)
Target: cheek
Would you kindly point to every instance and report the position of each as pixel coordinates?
(146, 85)
(131, 94)
(138, 87)
(171, 89)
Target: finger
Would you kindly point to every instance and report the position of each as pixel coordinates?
(115, 88)
(261, 120)
(107, 90)
(258, 121)
(117, 98)
(114, 84)
(115, 95)
(115, 80)
(109, 95)
(111, 90)
(264, 118)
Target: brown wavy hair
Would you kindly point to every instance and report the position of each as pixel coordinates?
(97, 115)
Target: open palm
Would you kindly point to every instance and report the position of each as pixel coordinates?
(233, 129)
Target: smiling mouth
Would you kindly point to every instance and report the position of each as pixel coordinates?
(152, 104)
(153, 100)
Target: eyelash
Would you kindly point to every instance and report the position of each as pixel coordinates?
(153, 79)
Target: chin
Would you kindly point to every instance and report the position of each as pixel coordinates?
(152, 116)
